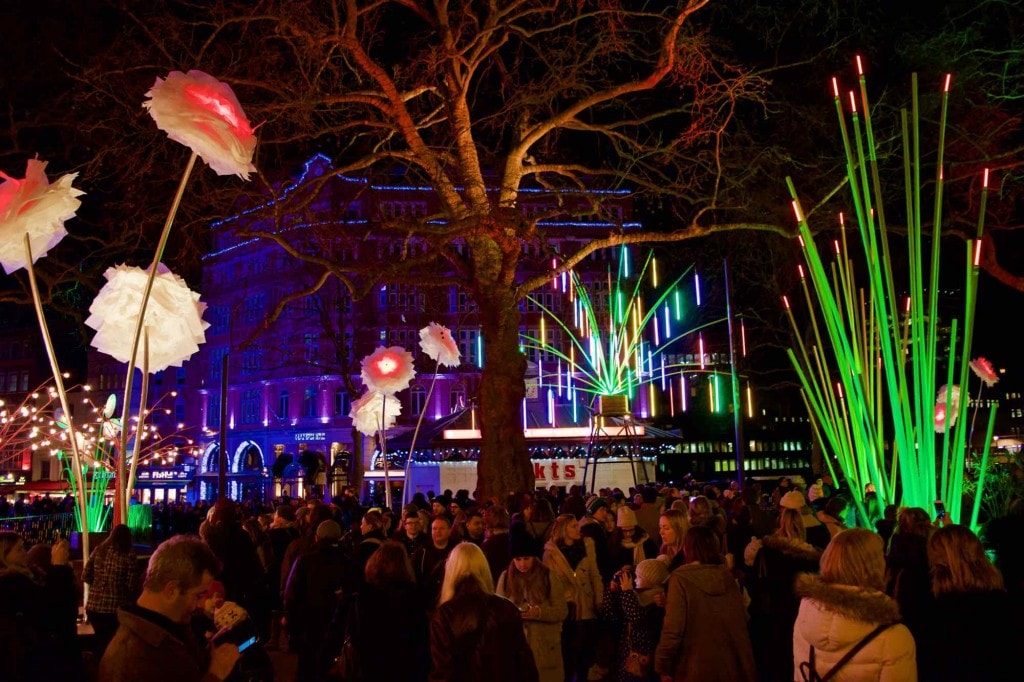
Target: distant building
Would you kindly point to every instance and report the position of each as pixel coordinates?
(291, 382)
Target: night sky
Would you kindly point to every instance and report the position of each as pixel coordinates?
(43, 41)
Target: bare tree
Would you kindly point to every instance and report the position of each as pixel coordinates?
(477, 101)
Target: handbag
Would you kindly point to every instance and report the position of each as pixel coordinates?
(348, 666)
(636, 664)
(810, 673)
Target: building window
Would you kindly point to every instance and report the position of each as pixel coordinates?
(216, 361)
(309, 402)
(417, 397)
(213, 412)
(457, 398)
(469, 345)
(342, 403)
(312, 347)
(251, 406)
(282, 404)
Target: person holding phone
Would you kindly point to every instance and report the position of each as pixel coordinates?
(155, 641)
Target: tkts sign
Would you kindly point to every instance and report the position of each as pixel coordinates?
(558, 471)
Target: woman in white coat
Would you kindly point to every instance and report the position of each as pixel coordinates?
(846, 622)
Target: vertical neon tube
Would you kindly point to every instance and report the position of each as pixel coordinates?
(682, 393)
(650, 400)
(696, 286)
(480, 349)
(700, 347)
(743, 339)
(750, 402)
(654, 272)
(679, 304)
(551, 407)
(668, 324)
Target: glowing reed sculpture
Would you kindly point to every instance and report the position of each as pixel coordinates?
(870, 376)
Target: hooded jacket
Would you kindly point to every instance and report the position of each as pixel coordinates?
(774, 603)
(583, 586)
(704, 635)
(833, 618)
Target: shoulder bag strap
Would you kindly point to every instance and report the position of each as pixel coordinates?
(853, 651)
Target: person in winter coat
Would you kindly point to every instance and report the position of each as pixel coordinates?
(115, 580)
(37, 610)
(973, 629)
(817, 533)
(574, 559)
(634, 604)
(704, 636)
(539, 594)
(630, 544)
(310, 596)
(388, 603)
(672, 528)
(843, 606)
(475, 634)
(775, 562)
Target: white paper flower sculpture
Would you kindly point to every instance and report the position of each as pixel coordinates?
(388, 370)
(374, 412)
(35, 207)
(437, 342)
(983, 369)
(203, 114)
(173, 322)
(947, 407)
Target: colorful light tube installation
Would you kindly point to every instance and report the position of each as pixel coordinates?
(868, 380)
(618, 351)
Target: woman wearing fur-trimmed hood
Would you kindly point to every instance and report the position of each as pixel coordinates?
(846, 604)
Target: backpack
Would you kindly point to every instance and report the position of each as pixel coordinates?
(810, 673)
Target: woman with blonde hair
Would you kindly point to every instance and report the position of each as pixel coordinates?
(574, 559)
(540, 596)
(846, 622)
(474, 633)
(972, 630)
(672, 527)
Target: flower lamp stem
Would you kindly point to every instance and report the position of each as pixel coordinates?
(62, 393)
(122, 490)
(383, 438)
(416, 432)
(140, 428)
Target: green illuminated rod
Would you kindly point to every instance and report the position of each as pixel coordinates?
(869, 377)
(617, 352)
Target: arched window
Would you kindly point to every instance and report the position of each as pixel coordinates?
(457, 398)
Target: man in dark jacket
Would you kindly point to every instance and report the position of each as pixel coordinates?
(311, 594)
(428, 561)
(154, 641)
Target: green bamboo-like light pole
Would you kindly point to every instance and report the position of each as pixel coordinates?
(870, 378)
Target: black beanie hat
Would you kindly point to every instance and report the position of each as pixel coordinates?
(521, 543)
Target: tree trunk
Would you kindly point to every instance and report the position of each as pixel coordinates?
(504, 465)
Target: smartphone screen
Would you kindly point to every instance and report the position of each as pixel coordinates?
(940, 509)
(246, 644)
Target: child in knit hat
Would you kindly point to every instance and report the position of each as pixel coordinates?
(635, 598)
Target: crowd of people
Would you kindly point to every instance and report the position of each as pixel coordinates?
(651, 584)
